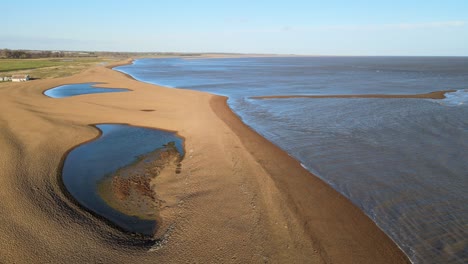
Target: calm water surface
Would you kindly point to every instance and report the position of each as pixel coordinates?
(118, 146)
(78, 89)
(404, 162)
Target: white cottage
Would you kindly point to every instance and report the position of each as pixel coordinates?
(20, 78)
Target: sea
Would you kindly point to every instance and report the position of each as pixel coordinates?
(404, 162)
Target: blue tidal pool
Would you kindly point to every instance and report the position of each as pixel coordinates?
(118, 146)
(79, 89)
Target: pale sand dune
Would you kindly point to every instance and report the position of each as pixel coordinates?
(238, 199)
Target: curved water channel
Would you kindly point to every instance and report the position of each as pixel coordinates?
(119, 147)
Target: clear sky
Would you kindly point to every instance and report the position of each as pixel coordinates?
(327, 27)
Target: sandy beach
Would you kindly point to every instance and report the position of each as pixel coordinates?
(237, 199)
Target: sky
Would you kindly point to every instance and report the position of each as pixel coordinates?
(327, 27)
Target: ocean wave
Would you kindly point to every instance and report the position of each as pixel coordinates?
(457, 98)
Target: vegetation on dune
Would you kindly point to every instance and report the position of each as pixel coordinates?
(49, 68)
(48, 64)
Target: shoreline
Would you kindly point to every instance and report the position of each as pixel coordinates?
(237, 178)
(297, 200)
(221, 107)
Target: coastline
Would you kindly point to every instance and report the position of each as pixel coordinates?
(239, 198)
(119, 63)
(304, 190)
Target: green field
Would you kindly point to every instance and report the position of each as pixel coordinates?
(20, 64)
(48, 68)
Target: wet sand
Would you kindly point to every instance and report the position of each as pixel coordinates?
(130, 189)
(432, 95)
(237, 199)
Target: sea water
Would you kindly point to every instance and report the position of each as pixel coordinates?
(404, 162)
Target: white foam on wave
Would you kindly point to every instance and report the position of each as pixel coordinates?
(457, 98)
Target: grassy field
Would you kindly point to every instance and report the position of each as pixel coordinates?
(49, 68)
(14, 65)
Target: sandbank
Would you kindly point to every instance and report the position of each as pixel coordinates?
(431, 95)
(237, 199)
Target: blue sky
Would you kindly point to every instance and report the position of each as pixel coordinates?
(332, 27)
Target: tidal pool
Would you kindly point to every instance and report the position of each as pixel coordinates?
(117, 147)
(79, 89)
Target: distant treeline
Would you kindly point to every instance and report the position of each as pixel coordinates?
(35, 54)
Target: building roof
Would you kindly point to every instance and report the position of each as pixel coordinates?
(19, 76)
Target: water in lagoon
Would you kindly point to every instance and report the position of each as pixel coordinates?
(404, 162)
(119, 145)
(78, 89)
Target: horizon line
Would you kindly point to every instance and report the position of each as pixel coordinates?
(231, 53)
